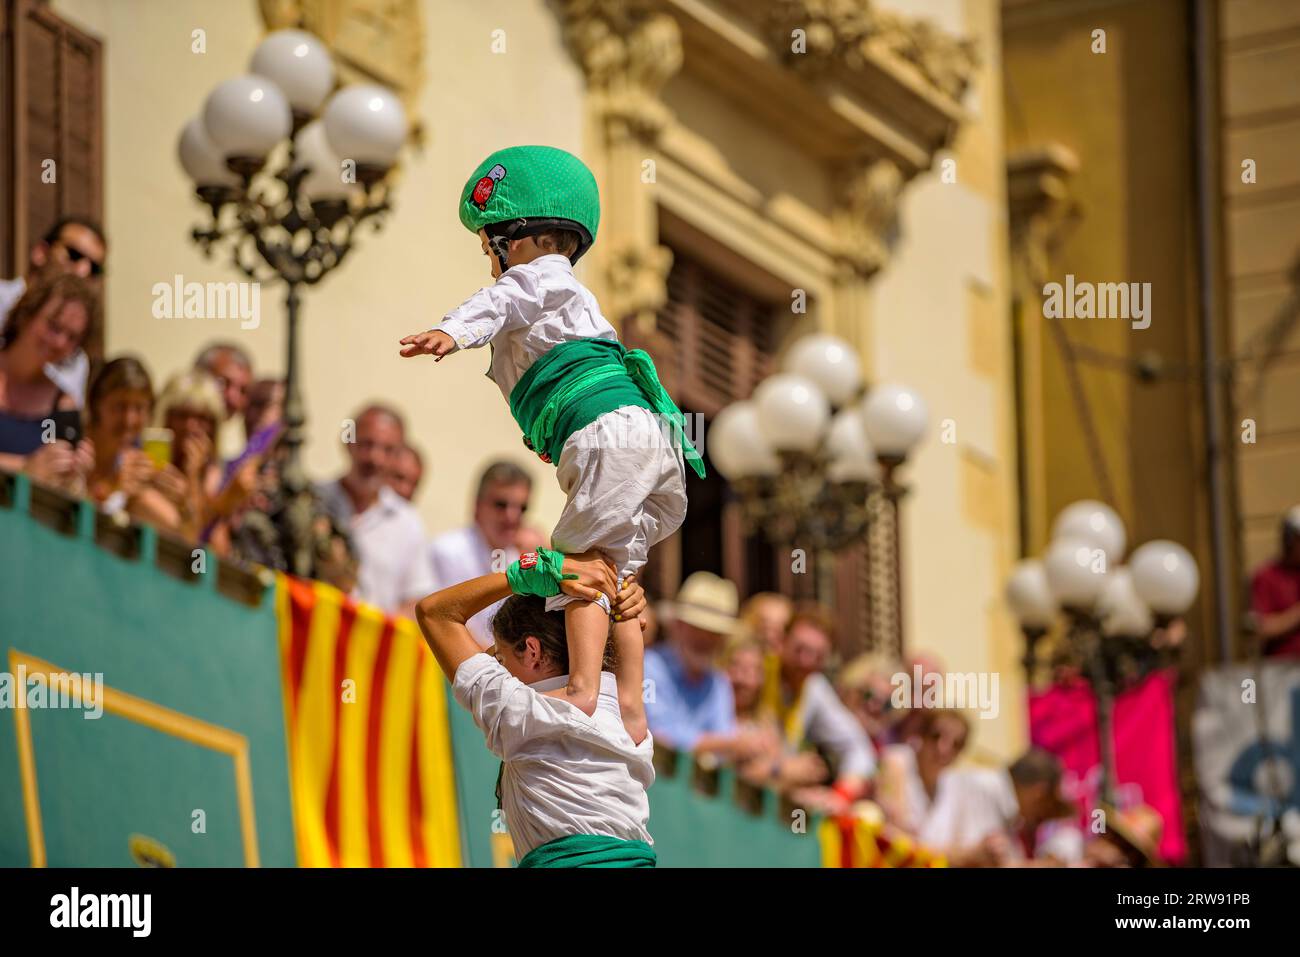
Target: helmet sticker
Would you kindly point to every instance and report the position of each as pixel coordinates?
(484, 187)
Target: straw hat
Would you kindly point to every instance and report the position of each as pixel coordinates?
(708, 602)
(1139, 827)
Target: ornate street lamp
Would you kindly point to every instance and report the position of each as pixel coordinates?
(813, 460)
(286, 193)
(1116, 618)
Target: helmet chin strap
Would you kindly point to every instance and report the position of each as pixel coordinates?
(500, 247)
(499, 241)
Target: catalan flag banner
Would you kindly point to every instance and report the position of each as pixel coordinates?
(369, 748)
(866, 841)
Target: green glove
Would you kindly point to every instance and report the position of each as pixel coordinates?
(537, 573)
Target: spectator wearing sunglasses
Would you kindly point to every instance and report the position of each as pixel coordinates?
(73, 246)
(866, 687)
(490, 542)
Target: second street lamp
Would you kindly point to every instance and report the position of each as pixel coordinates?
(803, 458)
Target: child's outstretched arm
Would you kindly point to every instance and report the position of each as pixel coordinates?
(511, 302)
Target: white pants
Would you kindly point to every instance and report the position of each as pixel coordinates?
(626, 486)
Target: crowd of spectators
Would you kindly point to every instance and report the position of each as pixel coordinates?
(755, 687)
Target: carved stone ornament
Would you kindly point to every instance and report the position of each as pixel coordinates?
(867, 216)
(847, 33)
(628, 49)
(1041, 209)
(638, 281)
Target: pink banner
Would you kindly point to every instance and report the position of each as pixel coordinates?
(1063, 720)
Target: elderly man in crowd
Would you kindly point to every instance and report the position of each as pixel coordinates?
(490, 542)
(1275, 594)
(73, 246)
(232, 368)
(689, 702)
(394, 571)
(810, 713)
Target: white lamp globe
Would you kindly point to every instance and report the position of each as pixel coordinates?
(792, 412)
(324, 178)
(366, 124)
(1165, 576)
(298, 64)
(851, 456)
(246, 116)
(1121, 610)
(200, 158)
(828, 361)
(896, 419)
(1093, 522)
(736, 445)
(1076, 573)
(1029, 596)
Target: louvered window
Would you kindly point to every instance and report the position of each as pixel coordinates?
(718, 339)
(714, 342)
(50, 110)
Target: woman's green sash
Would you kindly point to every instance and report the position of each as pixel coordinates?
(579, 381)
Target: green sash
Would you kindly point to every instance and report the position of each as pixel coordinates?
(579, 381)
(590, 850)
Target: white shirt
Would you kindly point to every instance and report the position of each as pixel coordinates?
(389, 538)
(830, 725)
(969, 802)
(528, 311)
(71, 374)
(565, 773)
(461, 555)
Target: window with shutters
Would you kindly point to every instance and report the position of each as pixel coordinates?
(51, 121)
(713, 344)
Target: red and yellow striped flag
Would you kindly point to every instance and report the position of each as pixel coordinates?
(865, 840)
(369, 746)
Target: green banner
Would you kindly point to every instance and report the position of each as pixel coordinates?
(154, 733)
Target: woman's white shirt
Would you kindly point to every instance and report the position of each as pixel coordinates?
(565, 773)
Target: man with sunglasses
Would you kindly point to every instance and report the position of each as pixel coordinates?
(73, 245)
(490, 542)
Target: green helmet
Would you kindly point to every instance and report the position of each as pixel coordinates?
(524, 190)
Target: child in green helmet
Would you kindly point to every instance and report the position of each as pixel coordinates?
(584, 403)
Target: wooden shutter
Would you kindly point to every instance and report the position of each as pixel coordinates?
(716, 340)
(51, 109)
(713, 344)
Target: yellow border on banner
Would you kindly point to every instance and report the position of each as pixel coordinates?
(151, 715)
